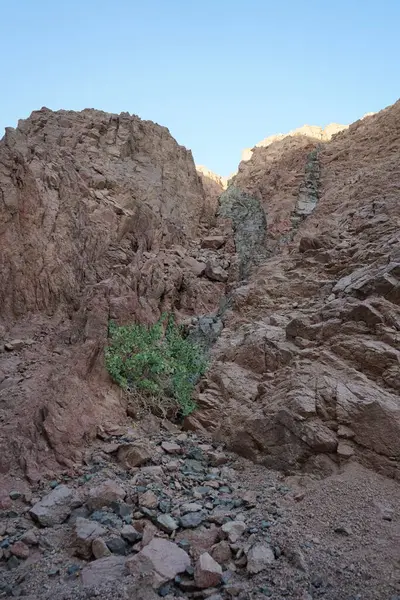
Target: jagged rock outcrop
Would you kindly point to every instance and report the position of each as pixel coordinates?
(100, 216)
(213, 185)
(306, 375)
(310, 131)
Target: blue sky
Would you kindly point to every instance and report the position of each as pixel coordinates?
(221, 75)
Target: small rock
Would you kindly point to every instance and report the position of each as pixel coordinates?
(82, 511)
(30, 538)
(73, 569)
(173, 465)
(217, 458)
(345, 432)
(134, 455)
(100, 549)
(164, 506)
(194, 265)
(233, 530)
(297, 558)
(161, 559)
(207, 573)
(14, 345)
(54, 508)
(122, 509)
(155, 471)
(387, 514)
(85, 532)
(343, 529)
(20, 550)
(14, 495)
(344, 449)
(213, 242)
(148, 499)
(171, 448)
(105, 494)
(191, 520)
(149, 533)
(12, 562)
(259, 557)
(299, 496)
(221, 552)
(215, 272)
(167, 523)
(110, 569)
(190, 507)
(130, 534)
(117, 546)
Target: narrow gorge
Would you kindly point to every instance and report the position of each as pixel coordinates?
(284, 482)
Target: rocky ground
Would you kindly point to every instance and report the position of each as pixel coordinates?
(177, 516)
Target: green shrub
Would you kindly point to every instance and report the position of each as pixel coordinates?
(157, 361)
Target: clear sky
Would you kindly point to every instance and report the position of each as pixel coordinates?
(220, 74)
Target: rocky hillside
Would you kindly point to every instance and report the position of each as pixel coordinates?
(284, 482)
(101, 218)
(307, 372)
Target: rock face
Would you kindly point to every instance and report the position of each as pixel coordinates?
(310, 131)
(307, 370)
(105, 217)
(213, 186)
(98, 214)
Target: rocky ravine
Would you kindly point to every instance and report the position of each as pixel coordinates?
(104, 216)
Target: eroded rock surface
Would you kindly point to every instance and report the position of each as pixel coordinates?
(307, 371)
(101, 217)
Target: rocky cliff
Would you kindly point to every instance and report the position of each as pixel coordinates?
(292, 271)
(100, 219)
(307, 373)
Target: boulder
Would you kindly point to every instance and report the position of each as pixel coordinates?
(85, 533)
(54, 508)
(161, 560)
(233, 530)
(259, 557)
(100, 549)
(103, 571)
(213, 242)
(105, 494)
(207, 573)
(134, 455)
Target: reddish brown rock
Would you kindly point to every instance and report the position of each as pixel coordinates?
(99, 548)
(171, 448)
(207, 573)
(221, 552)
(86, 532)
(161, 560)
(20, 550)
(110, 569)
(134, 455)
(107, 205)
(105, 494)
(148, 499)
